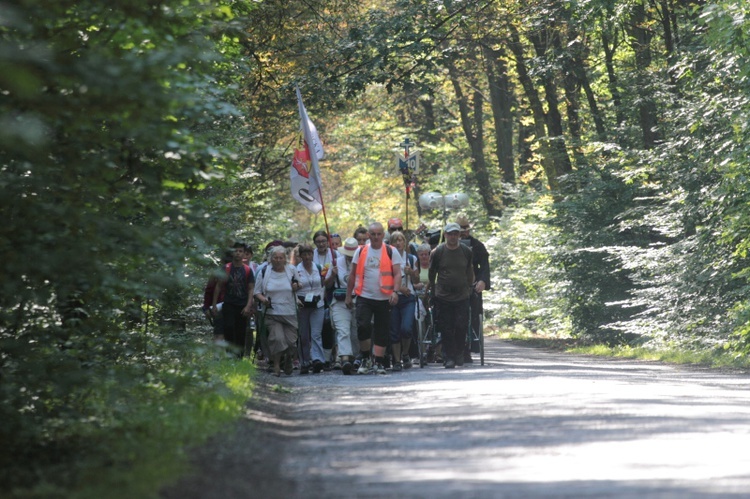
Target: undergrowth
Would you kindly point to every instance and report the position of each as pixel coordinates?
(143, 444)
(715, 358)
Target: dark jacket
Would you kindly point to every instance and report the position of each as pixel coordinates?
(481, 261)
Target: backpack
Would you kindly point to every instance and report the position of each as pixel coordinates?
(228, 268)
(208, 290)
(468, 254)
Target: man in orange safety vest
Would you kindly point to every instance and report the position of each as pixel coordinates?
(376, 285)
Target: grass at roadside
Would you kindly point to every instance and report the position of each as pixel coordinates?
(716, 358)
(143, 443)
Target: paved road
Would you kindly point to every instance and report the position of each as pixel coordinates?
(530, 423)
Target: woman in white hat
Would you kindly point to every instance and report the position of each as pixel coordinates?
(341, 316)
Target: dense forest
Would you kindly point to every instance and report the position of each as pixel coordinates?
(603, 144)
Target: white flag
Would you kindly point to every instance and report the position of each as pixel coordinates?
(314, 146)
(300, 182)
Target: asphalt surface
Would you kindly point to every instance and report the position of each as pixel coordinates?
(530, 423)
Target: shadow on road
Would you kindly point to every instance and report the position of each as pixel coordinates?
(530, 423)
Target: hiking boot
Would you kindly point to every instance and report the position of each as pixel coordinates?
(467, 358)
(317, 366)
(450, 364)
(379, 369)
(347, 367)
(397, 366)
(364, 366)
(406, 361)
(304, 369)
(288, 365)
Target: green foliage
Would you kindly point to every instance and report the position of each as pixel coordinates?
(529, 284)
(110, 123)
(664, 262)
(589, 239)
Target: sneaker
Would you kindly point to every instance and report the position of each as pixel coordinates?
(406, 360)
(317, 366)
(295, 363)
(337, 366)
(379, 369)
(450, 364)
(347, 367)
(364, 366)
(397, 366)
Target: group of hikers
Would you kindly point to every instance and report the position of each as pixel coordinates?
(351, 305)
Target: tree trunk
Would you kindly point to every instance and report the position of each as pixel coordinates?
(501, 101)
(429, 127)
(640, 38)
(669, 31)
(562, 165)
(525, 139)
(609, 45)
(472, 124)
(578, 56)
(537, 109)
(571, 86)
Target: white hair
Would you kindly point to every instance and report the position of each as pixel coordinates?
(276, 249)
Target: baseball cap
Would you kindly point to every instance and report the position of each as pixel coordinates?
(395, 222)
(452, 227)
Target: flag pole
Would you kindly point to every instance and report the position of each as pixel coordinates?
(406, 188)
(325, 221)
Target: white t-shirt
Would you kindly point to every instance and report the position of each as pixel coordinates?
(344, 272)
(279, 289)
(371, 288)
